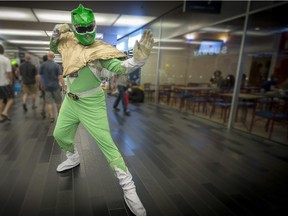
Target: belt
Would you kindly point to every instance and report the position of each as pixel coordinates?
(76, 96)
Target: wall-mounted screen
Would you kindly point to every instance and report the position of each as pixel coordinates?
(210, 47)
(204, 6)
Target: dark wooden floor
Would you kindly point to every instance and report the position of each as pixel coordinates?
(181, 165)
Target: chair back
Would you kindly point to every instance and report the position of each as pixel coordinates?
(147, 86)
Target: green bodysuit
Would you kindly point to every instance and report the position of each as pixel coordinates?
(84, 61)
(91, 112)
(90, 109)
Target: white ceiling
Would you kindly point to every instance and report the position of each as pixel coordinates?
(29, 24)
(24, 21)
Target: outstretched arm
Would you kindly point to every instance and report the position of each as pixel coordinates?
(141, 52)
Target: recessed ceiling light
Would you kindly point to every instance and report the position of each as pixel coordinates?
(11, 50)
(167, 24)
(190, 36)
(39, 48)
(54, 16)
(28, 42)
(103, 19)
(38, 51)
(214, 29)
(11, 13)
(127, 20)
(22, 32)
(49, 33)
(168, 48)
(169, 40)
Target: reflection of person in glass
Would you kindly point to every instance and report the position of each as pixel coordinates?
(270, 84)
(217, 78)
(83, 58)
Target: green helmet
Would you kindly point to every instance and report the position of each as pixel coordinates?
(83, 25)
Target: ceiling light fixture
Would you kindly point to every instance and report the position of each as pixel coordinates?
(28, 42)
(38, 51)
(54, 16)
(22, 32)
(168, 48)
(36, 47)
(127, 20)
(11, 13)
(215, 29)
(105, 19)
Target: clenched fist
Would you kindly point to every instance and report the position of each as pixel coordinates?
(143, 48)
(60, 28)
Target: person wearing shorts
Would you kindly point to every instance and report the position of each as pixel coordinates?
(28, 74)
(52, 75)
(6, 87)
(42, 89)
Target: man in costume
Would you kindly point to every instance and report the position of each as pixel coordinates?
(83, 59)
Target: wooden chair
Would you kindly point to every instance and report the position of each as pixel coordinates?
(179, 95)
(278, 113)
(198, 99)
(164, 93)
(148, 91)
(224, 103)
(244, 106)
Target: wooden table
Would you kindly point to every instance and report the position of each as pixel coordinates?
(196, 88)
(245, 96)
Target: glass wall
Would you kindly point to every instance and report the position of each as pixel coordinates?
(246, 43)
(265, 61)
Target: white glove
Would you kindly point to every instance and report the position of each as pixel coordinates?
(60, 28)
(143, 48)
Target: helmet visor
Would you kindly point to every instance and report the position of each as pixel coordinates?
(85, 29)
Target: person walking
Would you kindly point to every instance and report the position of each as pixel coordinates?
(121, 81)
(28, 74)
(51, 75)
(83, 58)
(42, 88)
(6, 86)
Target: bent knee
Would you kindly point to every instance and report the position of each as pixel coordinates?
(57, 135)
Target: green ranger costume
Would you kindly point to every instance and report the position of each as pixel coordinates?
(83, 59)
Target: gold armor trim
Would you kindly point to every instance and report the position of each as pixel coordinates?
(75, 55)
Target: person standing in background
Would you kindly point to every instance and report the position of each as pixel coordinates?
(28, 73)
(51, 73)
(15, 71)
(121, 82)
(270, 83)
(6, 86)
(243, 81)
(217, 78)
(42, 88)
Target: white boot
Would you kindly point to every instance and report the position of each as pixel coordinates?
(130, 196)
(72, 161)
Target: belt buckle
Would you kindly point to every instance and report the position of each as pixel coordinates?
(73, 96)
(75, 74)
